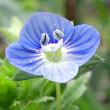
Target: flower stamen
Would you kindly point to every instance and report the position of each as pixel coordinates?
(58, 34)
(44, 39)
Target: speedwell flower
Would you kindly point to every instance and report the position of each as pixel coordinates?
(50, 46)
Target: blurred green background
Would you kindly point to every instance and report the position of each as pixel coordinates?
(13, 13)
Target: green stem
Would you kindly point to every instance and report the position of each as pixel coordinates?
(58, 94)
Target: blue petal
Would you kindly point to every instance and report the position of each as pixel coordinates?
(25, 59)
(60, 72)
(44, 22)
(83, 43)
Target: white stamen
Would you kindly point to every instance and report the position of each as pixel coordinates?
(58, 34)
(44, 39)
(51, 47)
(46, 49)
(58, 45)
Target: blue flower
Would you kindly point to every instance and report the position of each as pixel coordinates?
(51, 46)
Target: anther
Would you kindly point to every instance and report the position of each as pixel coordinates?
(58, 34)
(44, 39)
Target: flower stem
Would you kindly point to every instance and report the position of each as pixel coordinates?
(58, 94)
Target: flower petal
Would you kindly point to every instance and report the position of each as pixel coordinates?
(25, 59)
(83, 44)
(60, 72)
(44, 22)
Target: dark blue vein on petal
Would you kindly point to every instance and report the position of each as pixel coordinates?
(85, 51)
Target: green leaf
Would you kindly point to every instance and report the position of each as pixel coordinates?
(8, 92)
(48, 88)
(72, 107)
(37, 104)
(7, 69)
(75, 89)
(2, 109)
(95, 60)
(22, 75)
(45, 99)
(1, 62)
(89, 101)
(33, 106)
(30, 89)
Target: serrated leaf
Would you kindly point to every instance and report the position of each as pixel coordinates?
(95, 60)
(75, 89)
(22, 75)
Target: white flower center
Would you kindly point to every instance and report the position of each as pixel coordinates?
(52, 51)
